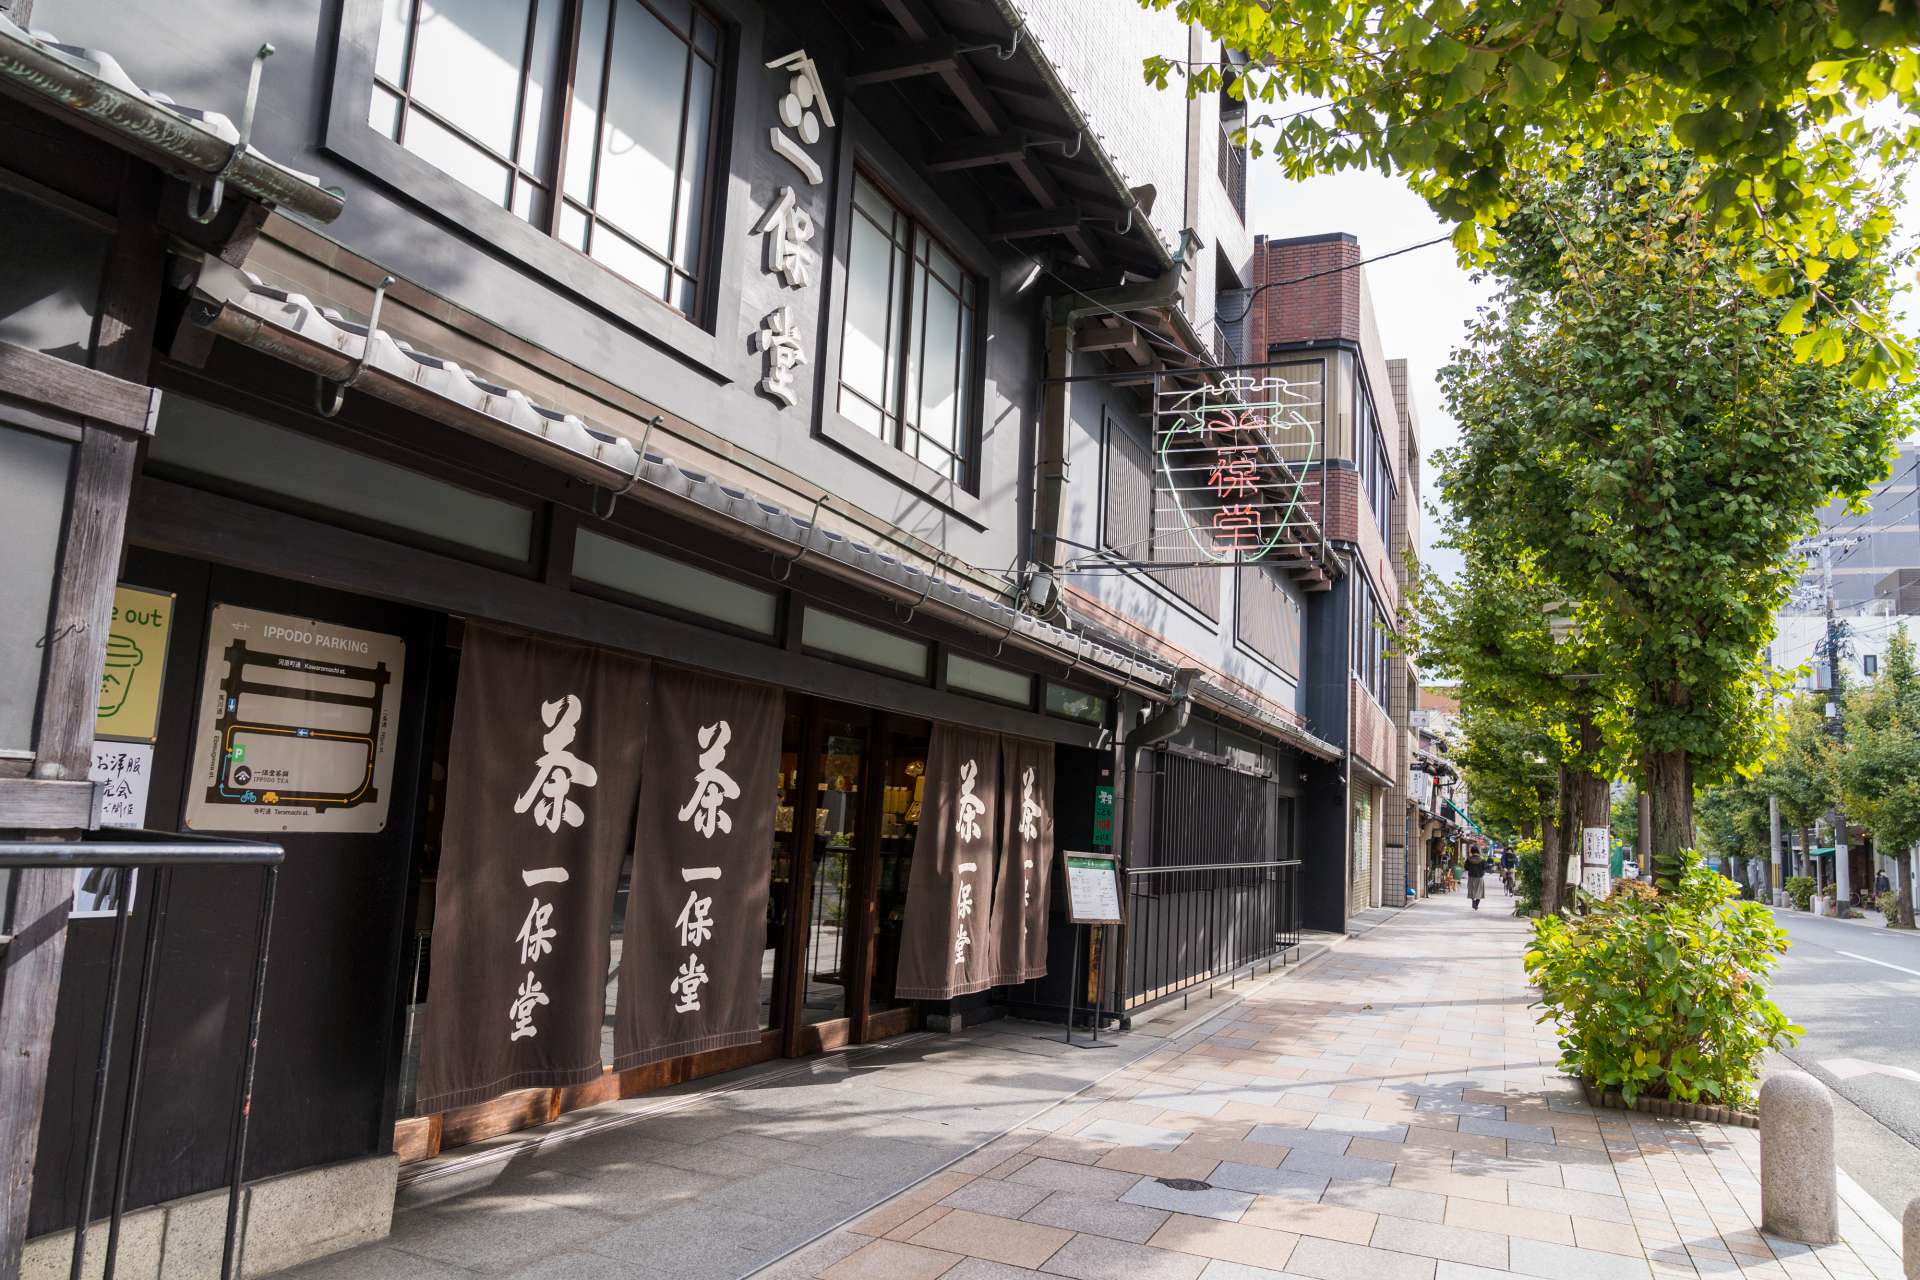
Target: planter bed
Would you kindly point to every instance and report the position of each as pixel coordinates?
(1709, 1111)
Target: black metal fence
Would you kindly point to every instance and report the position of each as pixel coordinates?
(159, 854)
(1194, 926)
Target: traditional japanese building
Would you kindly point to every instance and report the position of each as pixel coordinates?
(630, 547)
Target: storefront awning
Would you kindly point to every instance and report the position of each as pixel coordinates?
(235, 304)
(91, 88)
(1456, 811)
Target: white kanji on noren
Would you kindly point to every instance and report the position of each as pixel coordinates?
(687, 986)
(1030, 813)
(558, 770)
(967, 826)
(536, 936)
(789, 232)
(522, 1008)
(695, 920)
(964, 909)
(712, 786)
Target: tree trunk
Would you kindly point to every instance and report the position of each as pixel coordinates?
(1670, 793)
(1553, 864)
(1904, 859)
(1806, 849)
(1569, 835)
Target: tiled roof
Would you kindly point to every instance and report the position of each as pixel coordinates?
(188, 142)
(236, 305)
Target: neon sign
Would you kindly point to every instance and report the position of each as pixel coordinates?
(1232, 459)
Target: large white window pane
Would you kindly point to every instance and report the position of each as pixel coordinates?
(643, 573)
(212, 441)
(390, 61)
(383, 113)
(831, 633)
(640, 137)
(690, 219)
(972, 676)
(869, 347)
(546, 71)
(861, 414)
(629, 260)
(468, 65)
(583, 120)
(456, 157)
(934, 357)
(33, 504)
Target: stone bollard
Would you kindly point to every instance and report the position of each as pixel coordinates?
(1910, 1237)
(1798, 1196)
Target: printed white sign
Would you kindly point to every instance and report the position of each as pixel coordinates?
(1597, 881)
(1093, 889)
(123, 771)
(1596, 847)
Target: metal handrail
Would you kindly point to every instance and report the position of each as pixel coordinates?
(163, 852)
(1213, 866)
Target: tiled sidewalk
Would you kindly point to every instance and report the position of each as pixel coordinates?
(1392, 1114)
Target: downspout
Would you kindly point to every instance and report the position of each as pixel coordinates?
(1170, 720)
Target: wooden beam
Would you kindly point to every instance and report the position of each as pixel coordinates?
(978, 153)
(76, 648)
(1043, 222)
(75, 390)
(906, 62)
(1122, 339)
(45, 803)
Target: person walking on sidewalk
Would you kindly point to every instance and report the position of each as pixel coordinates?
(1476, 879)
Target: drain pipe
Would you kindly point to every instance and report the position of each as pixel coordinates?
(1170, 720)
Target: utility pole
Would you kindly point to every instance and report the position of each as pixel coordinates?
(1825, 546)
(1775, 879)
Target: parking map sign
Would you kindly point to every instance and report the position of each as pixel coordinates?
(296, 725)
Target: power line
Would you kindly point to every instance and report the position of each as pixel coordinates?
(1330, 271)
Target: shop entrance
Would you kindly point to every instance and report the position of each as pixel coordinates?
(851, 782)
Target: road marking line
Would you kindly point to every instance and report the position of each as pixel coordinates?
(1848, 1068)
(1882, 963)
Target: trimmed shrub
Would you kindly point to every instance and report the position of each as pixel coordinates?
(1526, 878)
(1664, 996)
(1888, 905)
(1800, 889)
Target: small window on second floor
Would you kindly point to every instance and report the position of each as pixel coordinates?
(907, 347)
(611, 104)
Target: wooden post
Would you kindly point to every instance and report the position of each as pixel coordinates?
(63, 738)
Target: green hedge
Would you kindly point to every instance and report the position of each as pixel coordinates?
(1800, 889)
(1664, 996)
(1526, 878)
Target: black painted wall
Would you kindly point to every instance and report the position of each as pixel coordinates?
(329, 1041)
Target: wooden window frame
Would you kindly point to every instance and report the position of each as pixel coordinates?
(468, 213)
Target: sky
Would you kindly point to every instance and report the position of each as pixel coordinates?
(1422, 300)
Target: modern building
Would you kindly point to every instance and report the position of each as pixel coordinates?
(485, 476)
(1311, 311)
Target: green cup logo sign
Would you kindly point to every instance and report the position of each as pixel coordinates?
(130, 678)
(117, 677)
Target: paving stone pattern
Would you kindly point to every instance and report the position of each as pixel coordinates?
(1390, 1112)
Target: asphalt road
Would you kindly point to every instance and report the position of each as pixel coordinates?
(1856, 989)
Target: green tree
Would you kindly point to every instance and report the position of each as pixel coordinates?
(1493, 631)
(1632, 422)
(1474, 100)
(1624, 818)
(1731, 821)
(1800, 775)
(1879, 767)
